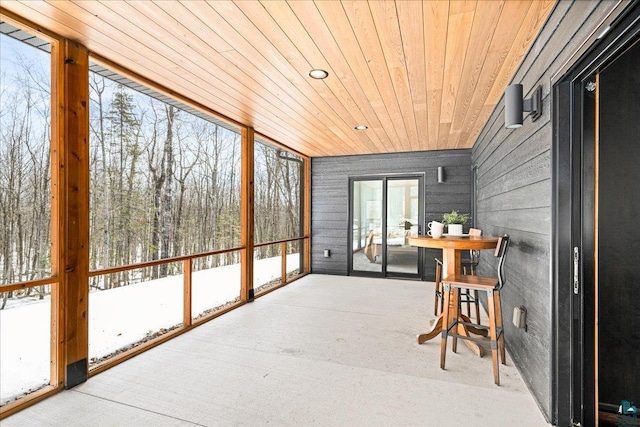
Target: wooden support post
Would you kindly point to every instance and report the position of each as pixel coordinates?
(306, 243)
(246, 215)
(57, 370)
(283, 255)
(186, 272)
(74, 173)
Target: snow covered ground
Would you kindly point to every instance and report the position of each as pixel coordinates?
(117, 318)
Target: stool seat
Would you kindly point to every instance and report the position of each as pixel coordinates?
(472, 282)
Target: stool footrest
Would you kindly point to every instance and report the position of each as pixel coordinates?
(466, 337)
(475, 325)
(492, 343)
(455, 323)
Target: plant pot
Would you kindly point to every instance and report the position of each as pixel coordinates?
(454, 229)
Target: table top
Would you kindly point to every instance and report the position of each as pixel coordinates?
(454, 242)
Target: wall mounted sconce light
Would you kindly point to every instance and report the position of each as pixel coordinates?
(440, 174)
(514, 105)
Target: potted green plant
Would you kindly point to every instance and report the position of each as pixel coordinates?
(454, 222)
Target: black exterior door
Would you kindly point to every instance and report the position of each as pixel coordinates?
(596, 194)
(617, 280)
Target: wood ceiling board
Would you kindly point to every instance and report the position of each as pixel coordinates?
(436, 22)
(361, 21)
(421, 75)
(45, 20)
(342, 32)
(387, 26)
(192, 28)
(444, 134)
(484, 25)
(458, 33)
(507, 28)
(413, 45)
(537, 15)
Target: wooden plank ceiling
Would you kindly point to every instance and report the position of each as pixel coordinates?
(422, 75)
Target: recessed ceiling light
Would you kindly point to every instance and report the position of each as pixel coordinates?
(361, 127)
(318, 74)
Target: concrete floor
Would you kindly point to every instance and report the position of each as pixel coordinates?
(323, 351)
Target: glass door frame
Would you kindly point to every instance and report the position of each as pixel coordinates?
(384, 178)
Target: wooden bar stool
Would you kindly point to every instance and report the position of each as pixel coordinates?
(451, 317)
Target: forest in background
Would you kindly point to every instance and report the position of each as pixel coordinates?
(163, 183)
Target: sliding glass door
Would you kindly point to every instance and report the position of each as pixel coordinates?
(385, 212)
(403, 221)
(366, 225)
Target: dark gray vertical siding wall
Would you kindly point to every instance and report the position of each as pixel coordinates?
(514, 193)
(330, 196)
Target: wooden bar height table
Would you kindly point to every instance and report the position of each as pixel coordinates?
(452, 247)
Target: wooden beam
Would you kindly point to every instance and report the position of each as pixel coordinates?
(246, 215)
(9, 287)
(23, 403)
(283, 262)
(306, 243)
(74, 236)
(57, 370)
(187, 269)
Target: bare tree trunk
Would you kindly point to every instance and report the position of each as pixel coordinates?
(101, 201)
(182, 175)
(165, 243)
(157, 182)
(129, 231)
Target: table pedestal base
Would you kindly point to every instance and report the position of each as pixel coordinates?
(436, 330)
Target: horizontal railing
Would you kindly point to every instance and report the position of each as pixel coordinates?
(29, 284)
(275, 242)
(8, 287)
(155, 262)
